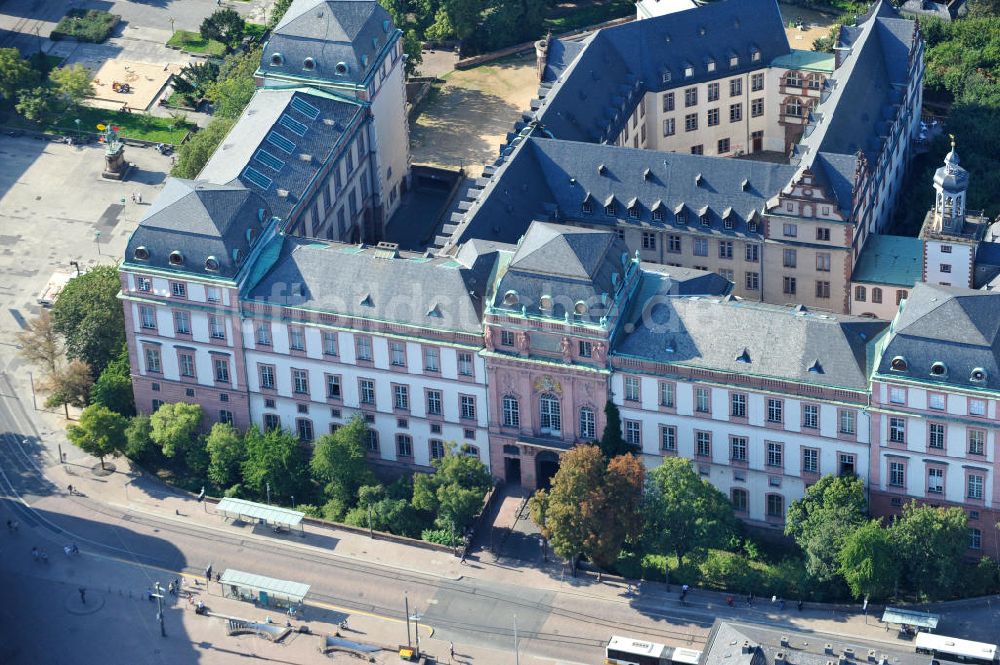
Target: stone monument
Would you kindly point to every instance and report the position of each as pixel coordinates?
(115, 166)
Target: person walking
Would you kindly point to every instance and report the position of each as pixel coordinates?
(451, 649)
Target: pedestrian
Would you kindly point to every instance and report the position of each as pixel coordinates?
(451, 648)
(774, 599)
(628, 589)
(83, 595)
(749, 600)
(800, 606)
(71, 490)
(218, 577)
(139, 197)
(133, 197)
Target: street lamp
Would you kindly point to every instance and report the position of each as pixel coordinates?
(416, 630)
(77, 121)
(97, 241)
(517, 657)
(159, 608)
(76, 264)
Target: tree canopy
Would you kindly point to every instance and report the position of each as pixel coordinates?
(99, 432)
(16, 74)
(868, 561)
(225, 454)
(113, 387)
(195, 153)
(273, 458)
(830, 510)
(225, 26)
(72, 84)
(612, 441)
(90, 318)
(338, 462)
(455, 491)
(175, 426)
(40, 343)
(930, 543)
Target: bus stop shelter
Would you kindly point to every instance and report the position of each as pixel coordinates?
(910, 621)
(267, 591)
(261, 513)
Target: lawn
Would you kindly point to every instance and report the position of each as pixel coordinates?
(571, 16)
(85, 25)
(193, 42)
(133, 125)
(255, 31)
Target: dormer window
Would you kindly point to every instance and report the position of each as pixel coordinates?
(609, 209)
(212, 264)
(734, 61)
(899, 364)
(666, 76)
(141, 254)
(385, 25)
(176, 258)
(729, 223)
(755, 54)
(633, 211)
(710, 65)
(587, 207)
(341, 68)
(681, 217)
(309, 64)
(510, 298)
(545, 303)
(706, 219)
(580, 308)
(978, 375)
(688, 71)
(277, 59)
(752, 227)
(939, 369)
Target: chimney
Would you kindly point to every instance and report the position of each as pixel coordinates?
(541, 55)
(784, 640)
(871, 656)
(779, 658)
(828, 649)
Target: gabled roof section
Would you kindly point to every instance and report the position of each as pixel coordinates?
(328, 40)
(718, 333)
(957, 327)
(570, 252)
(211, 228)
(280, 142)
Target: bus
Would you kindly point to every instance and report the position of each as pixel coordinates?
(954, 650)
(632, 651)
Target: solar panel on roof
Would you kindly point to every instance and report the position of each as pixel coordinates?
(269, 160)
(280, 142)
(293, 125)
(305, 108)
(256, 177)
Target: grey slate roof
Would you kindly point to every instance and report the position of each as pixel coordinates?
(959, 327)
(270, 123)
(791, 344)
(568, 264)
(342, 37)
(591, 97)
(546, 179)
(435, 293)
(199, 220)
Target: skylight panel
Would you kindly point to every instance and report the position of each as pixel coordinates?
(280, 142)
(269, 160)
(292, 125)
(256, 177)
(305, 108)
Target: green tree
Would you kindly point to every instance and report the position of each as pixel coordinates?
(413, 48)
(89, 316)
(339, 464)
(868, 561)
(225, 26)
(463, 16)
(175, 427)
(100, 432)
(113, 387)
(278, 10)
(820, 521)
(612, 442)
(684, 513)
(40, 343)
(378, 509)
(225, 454)
(139, 438)
(276, 458)
(72, 84)
(35, 104)
(231, 96)
(930, 543)
(69, 386)
(441, 29)
(194, 154)
(619, 508)
(16, 74)
(454, 492)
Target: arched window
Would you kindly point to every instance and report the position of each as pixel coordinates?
(860, 293)
(901, 295)
(511, 412)
(793, 107)
(793, 79)
(550, 416)
(588, 425)
(775, 506)
(876, 295)
(740, 499)
(814, 81)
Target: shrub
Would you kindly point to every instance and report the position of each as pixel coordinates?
(729, 572)
(234, 492)
(85, 25)
(440, 536)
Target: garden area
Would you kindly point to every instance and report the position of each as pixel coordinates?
(85, 25)
(79, 349)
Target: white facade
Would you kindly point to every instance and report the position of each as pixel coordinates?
(390, 136)
(948, 263)
(653, 8)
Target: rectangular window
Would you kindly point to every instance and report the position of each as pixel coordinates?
(669, 127)
(586, 349)
(674, 244)
(810, 416)
(823, 234)
(631, 389)
(178, 289)
(735, 87)
(434, 402)
(264, 334)
(633, 433)
(305, 429)
(363, 347)
(740, 500)
(506, 338)
(822, 289)
(790, 230)
(666, 394)
(329, 343)
(296, 338)
(725, 249)
(697, 149)
(153, 360)
(468, 407)
(397, 354)
(437, 448)
(975, 539)
(404, 445)
(945, 267)
(789, 258)
(738, 449)
(701, 246)
(691, 122)
(752, 281)
(668, 102)
(333, 390)
(143, 284)
(757, 82)
(775, 454)
(690, 97)
(668, 438)
(713, 117)
(703, 403)
(266, 376)
(703, 444)
(464, 363)
(186, 361)
(366, 389)
(775, 408)
(977, 441)
(723, 146)
(897, 474)
(648, 240)
(713, 92)
(738, 405)
(897, 395)
(271, 421)
(757, 107)
(977, 407)
(213, 294)
(147, 316)
(810, 460)
(222, 370)
(823, 262)
(897, 430)
(788, 285)
(182, 323)
(401, 397)
(432, 358)
(935, 435)
(847, 419)
(300, 381)
(226, 417)
(775, 506)
(735, 112)
(975, 487)
(935, 480)
(217, 327)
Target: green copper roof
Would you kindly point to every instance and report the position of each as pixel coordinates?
(812, 61)
(893, 260)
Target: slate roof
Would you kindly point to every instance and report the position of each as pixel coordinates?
(285, 135)
(548, 179)
(739, 337)
(568, 264)
(599, 89)
(959, 327)
(329, 277)
(343, 39)
(199, 220)
(895, 260)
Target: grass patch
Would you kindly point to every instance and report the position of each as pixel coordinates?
(589, 14)
(179, 99)
(85, 25)
(255, 31)
(133, 125)
(193, 42)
